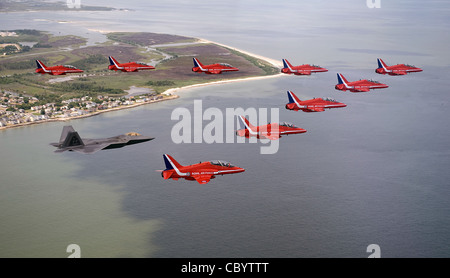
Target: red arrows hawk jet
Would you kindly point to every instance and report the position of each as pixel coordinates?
(127, 67)
(56, 70)
(202, 172)
(213, 68)
(400, 69)
(311, 105)
(300, 70)
(269, 131)
(358, 86)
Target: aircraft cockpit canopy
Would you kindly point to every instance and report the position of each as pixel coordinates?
(221, 163)
(226, 65)
(132, 134)
(286, 124)
(329, 99)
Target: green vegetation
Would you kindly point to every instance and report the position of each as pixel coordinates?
(266, 67)
(17, 71)
(42, 45)
(19, 65)
(84, 88)
(23, 35)
(160, 83)
(6, 80)
(89, 62)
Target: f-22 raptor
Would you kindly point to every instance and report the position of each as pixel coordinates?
(71, 141)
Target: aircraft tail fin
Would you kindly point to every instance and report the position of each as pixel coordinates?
(41, 65)
(286, 64)
(292, 97)
(341, 79)
(171, 163)
(247, 125)
(381, 64)
(113, 61)
(197, 63)
(70, 138)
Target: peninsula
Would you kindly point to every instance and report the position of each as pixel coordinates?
(29, 98)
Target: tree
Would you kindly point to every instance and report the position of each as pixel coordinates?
(42, 111)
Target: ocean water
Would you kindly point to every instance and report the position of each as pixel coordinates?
(373, 172)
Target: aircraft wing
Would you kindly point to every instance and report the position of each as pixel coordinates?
(58, 72)
(304, 72)
(215, 71)
(316, 109)
(399, 72)
(91, 148)
(362, 89)
(203, 179)
(272, 136)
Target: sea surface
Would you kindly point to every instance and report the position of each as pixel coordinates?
(375, 172)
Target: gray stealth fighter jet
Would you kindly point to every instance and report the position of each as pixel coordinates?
(71, 141)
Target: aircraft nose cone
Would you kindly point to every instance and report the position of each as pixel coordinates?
(240, 170)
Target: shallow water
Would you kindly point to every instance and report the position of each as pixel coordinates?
(373, 172)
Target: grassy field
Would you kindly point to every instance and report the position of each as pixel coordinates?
(17, 70)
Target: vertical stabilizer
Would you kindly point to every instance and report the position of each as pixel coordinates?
(197, 64)
(70, 138)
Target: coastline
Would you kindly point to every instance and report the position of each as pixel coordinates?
(274, 62)
(90, 114)
(169, 93)
(174, 90)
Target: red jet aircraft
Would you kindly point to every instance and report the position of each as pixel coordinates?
(300, 70)
(213, 68)
(358, 86)
(202, 172)
(311, 105)
(56, 70)
(127, 67)
(269, 131)
(400, 69)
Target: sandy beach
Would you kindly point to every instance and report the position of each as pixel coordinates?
(178, 90)
(274, 62)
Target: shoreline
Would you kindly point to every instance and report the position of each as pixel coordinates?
(174, 90)
(271, 61)
(169, 93)
(90, 114)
